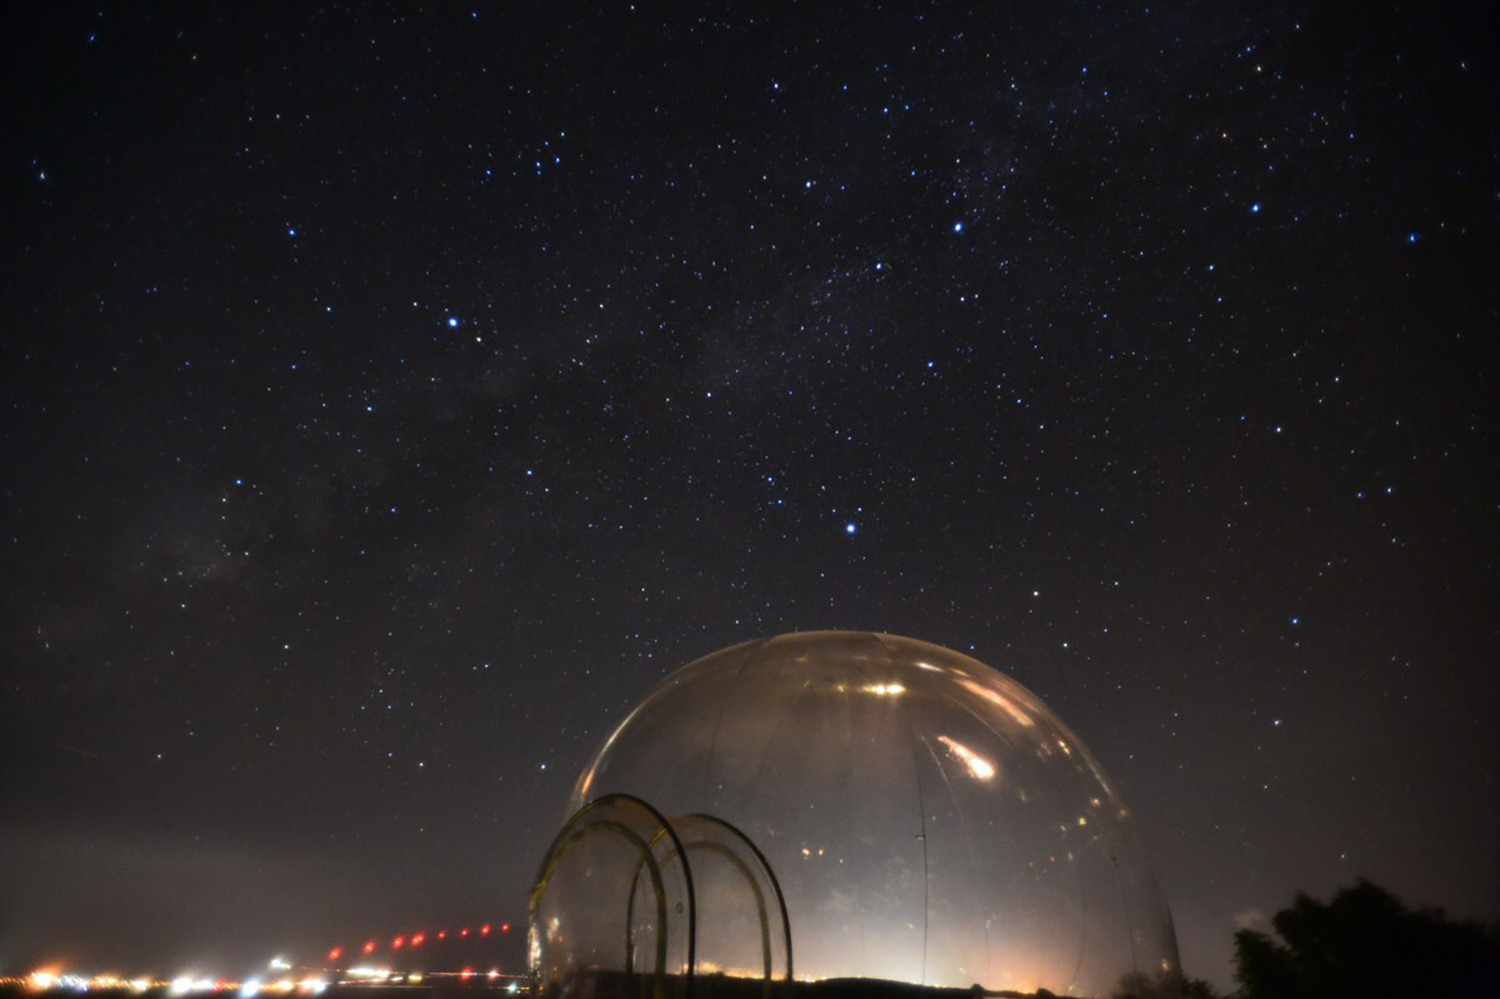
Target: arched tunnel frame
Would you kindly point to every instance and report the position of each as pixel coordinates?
(594, 819)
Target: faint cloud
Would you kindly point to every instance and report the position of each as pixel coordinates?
(1249, 919)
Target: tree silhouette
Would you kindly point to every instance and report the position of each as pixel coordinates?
(1135, 985)
(1365, 944)
(1198, 988)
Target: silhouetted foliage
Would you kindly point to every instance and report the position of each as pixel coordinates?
(1199, 988)
(1139, 985)
(1136, 985)
(1366, 944)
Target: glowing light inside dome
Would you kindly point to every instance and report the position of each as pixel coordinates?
(998, 699)
(981, 768)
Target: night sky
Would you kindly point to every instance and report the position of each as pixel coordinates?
(393, 394)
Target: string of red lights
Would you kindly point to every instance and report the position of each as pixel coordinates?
(409, 941)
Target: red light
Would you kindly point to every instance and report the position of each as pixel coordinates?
(442, 934)
(464, 932)
(370, 947)
(467, 974)
(504, 927)
(336, 953)
(396, 943)
(484, 930)
(416, 941)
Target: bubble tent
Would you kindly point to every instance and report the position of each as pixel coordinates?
(828, 811)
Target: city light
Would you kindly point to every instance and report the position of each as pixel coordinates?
(285, 968)
(54, 981)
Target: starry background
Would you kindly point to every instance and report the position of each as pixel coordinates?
(393, 394)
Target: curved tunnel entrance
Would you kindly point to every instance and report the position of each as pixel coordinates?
(631, 903)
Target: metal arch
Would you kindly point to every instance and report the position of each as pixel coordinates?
(765, 866)
(573, 832)
(663, 826)
(561, 848)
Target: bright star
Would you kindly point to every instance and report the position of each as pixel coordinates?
(453, 322)
(850, 527)
(958, 227)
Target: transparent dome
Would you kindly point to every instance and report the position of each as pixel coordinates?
(840, 805)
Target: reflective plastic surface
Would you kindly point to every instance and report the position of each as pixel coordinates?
(929, 821)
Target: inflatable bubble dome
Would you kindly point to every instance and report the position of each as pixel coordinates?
(841, 813)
